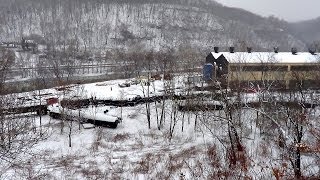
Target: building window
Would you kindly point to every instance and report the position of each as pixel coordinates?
(305, 68)
(259, 68)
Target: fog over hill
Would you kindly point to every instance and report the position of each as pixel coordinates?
(285, 9)
(153, 24)
(308, 30)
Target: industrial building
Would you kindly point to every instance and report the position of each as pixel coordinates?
(285, 70)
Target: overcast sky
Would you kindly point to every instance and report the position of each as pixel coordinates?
(290, 10)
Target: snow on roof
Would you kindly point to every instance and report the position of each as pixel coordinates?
(268, 57)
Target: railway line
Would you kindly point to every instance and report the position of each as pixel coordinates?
(128, 70)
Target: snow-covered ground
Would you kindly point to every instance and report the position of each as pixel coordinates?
(107, 90)
(187, 145)
(105, 153)
(133, 151)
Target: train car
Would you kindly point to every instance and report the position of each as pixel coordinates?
(208, 72)
(87, 115)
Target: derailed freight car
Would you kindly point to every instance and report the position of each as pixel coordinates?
(56, 111)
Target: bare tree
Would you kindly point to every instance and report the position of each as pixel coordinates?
(7, 59)
(165, 63)
(18, 132)
(149, 58)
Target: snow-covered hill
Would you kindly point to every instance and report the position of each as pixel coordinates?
(149, 24)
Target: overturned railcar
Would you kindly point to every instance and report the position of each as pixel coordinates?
(56, 111)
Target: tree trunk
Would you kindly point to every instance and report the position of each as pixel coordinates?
(297, 168)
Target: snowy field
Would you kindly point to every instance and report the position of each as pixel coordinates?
(129, 151)
(184, 145)
(132, 151)
(107, 90)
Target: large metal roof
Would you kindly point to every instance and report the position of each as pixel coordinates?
(269, 57)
